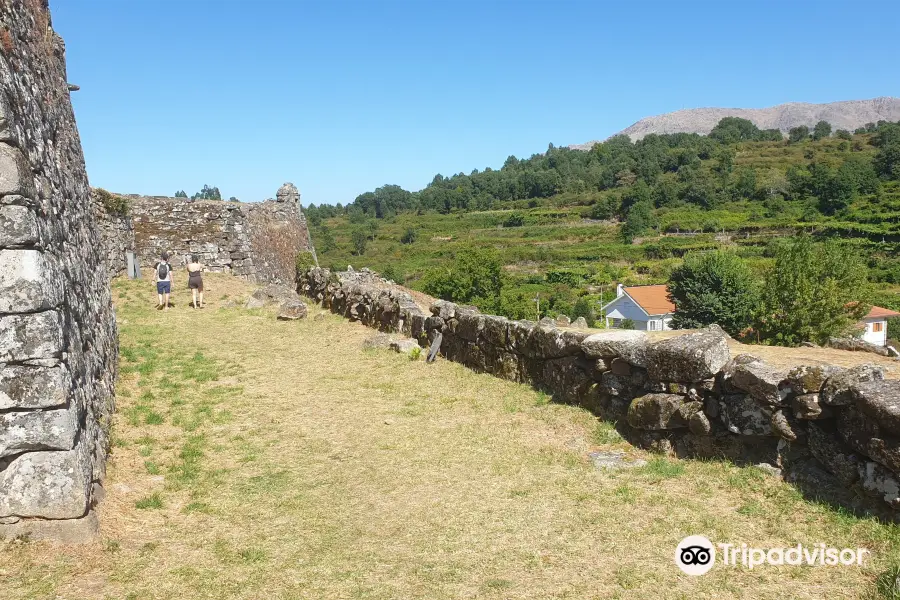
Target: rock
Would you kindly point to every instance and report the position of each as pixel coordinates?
(880, 482)
(83, 530)
(292, 310)
(405, 346)
(379, 340)
(27, 387)
(614, 460)
(272, 294)
(809, 379)
(443, 309)
(627, 344)
(689, 409)
(761, 381)
(743, 415)
(38, 430)
(620, 367)
(830, 452)
(253, 302)
(434, 323)
(656, 411)
(689, 357)
(18, 226)
(863, 434)
(30, 336)
(768, 469)
(857, 345)
(49, 485)
(881, 401)
(782, 428)
(699, 424)
(563, 321)
(319, 317)
(547, 322)
(29, 281)
(580, 323)
(807, 406)
(836, 391)
(15, 174)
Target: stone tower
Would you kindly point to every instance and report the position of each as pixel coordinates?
(289, 194)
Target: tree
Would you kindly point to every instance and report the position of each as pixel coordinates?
(583, 308)
(326, 239)
(714, 287)
(360, 239)
(181, 194)
(475, 278)
(734, 129)
(821, 130)
(843, 134)
(207, 193)
(835, 189)
(640, 218)
(798, 134)
(814, 292)
(409, 236)
(887, 161)
(233, 199)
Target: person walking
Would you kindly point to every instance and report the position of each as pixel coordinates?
(163, 281)
(195, 280)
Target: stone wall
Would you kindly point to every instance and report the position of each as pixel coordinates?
(116, 235)
(58, 347)
(822, 427)
(255, 241)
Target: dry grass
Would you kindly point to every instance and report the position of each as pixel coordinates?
(261, 459)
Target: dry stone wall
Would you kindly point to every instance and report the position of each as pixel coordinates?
(116, 235)
(823, 427)
(58, 345)
(258, 242)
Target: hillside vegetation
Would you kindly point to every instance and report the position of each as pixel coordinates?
(567, 225)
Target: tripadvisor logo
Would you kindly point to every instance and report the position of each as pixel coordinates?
(696, 555)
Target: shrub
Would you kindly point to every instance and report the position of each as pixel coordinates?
(409, 236)
(113, 203)
(360, 239)
(626, 324)
(304, 261)
(514, 220)
(583, 308)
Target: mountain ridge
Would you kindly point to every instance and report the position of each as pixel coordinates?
(845, 114)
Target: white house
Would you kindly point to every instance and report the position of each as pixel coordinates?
(648, 306)
(876, 325)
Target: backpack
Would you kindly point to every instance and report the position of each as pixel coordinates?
(162, 270)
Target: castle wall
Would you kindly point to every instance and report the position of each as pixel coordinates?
(255, 241)
(116, 235)
(58, 346)
(685, 396)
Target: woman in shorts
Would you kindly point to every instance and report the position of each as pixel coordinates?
(195, 280)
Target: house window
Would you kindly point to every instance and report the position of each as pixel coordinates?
(616, 322)
(877, 327)
(654, 325)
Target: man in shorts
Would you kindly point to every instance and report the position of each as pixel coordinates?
(163, 281)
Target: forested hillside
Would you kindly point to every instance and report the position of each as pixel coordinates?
(565, 225)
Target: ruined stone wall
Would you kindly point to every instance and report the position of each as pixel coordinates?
(116, 235)
(258, 242)
(58, 347)
(823, 427)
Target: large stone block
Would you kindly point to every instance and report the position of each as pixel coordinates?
(38, 430)
(863, 434)
(830, 452)
(29, 282)
(627, 344)
(763, 382)
(29, 336)
(743, 415)
(657, 411)
(881, 401)
(836, 390)
(27, 387)
(18, 226)
(15, 175)
(880, 482)
(687, 358)
(49, 485)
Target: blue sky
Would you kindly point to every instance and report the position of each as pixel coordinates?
(342, 97)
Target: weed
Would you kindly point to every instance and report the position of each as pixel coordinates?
(153, 501)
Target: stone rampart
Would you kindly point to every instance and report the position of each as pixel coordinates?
(685, 395)
(58, 347)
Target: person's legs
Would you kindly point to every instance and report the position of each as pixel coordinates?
(167, 290)
(194, 301)
(159, 294)
(201, 298)
(167, 301)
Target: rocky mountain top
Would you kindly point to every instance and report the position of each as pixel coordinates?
(849, 115)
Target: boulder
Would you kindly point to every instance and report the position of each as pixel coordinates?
(836, 391)
(405, 346)
(881, 401)
(880, 482)
(379, 340)
(563, 321)
(782, 427)
(627, 344)
(808, 407)
(743, 415)
(839, 461)
(26, 387)
(30, 336)
(687, 358)
(49, 485)
(271, 294)
(37, 430)
(699, 424)
(761, 381)
(864, 435)
(292, 310)
(809, 379)
(656, 411)
(857, 345)
(580, 323)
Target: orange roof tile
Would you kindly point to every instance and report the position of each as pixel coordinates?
(877, 311)
(654, 299)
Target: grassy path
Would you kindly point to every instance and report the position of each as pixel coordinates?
(261, 459)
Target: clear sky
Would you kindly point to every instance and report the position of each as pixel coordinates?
(342, 97)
